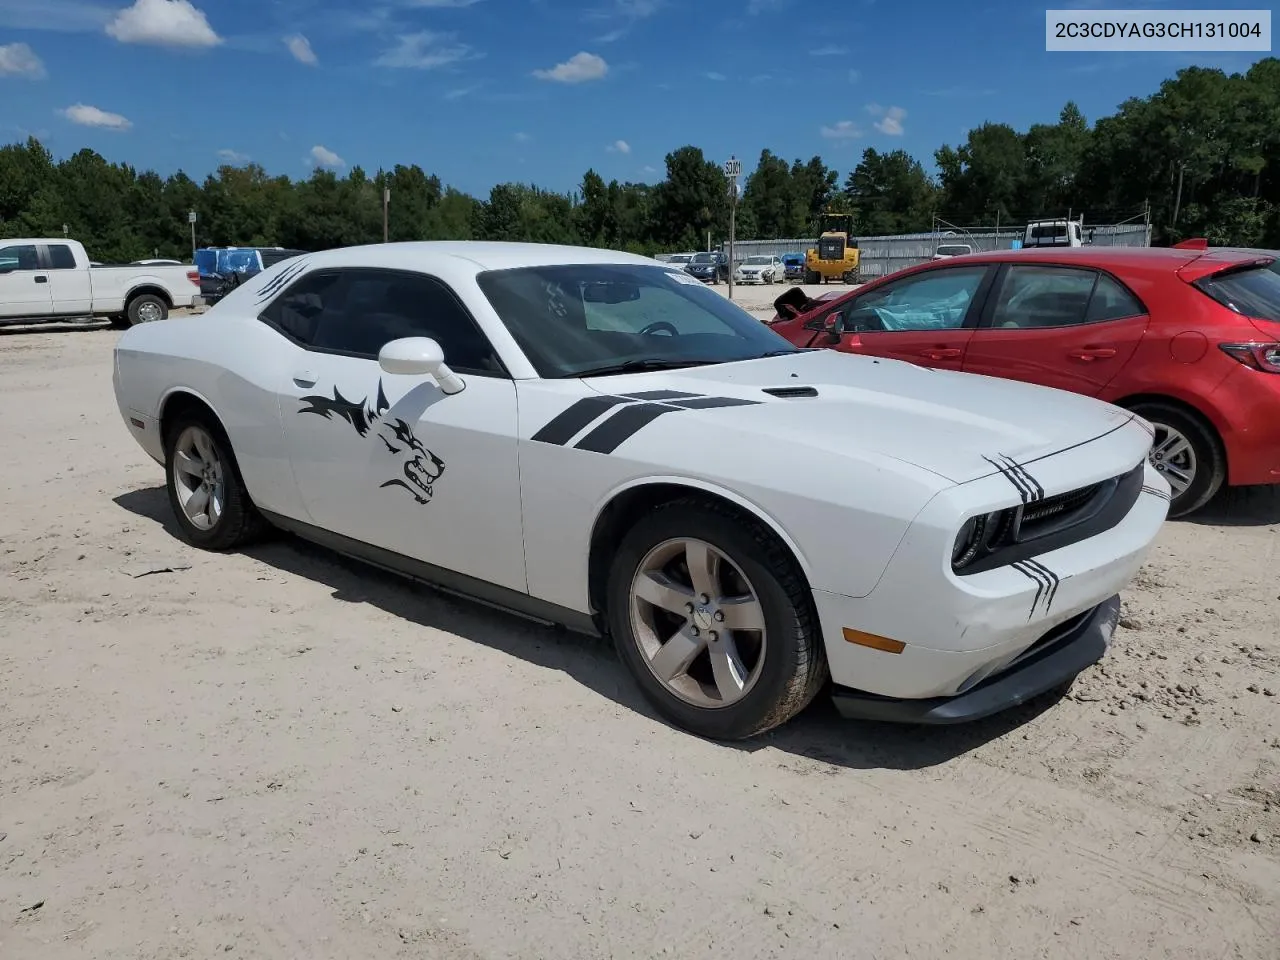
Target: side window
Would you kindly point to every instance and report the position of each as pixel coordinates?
(19, 258)
(1034, 296)
(1112, 302)
(61, 257)
(296, 313)
(370, 308)
(936, 300)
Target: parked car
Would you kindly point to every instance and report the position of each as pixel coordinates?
(709, 267)
(157, 262)
(680, 260)
(222, 268)
(44, 280)
(759, 269)
(530, 424)
(944, 250)
(793, 266)
(1187, 338)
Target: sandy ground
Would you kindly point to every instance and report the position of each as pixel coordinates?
(282, 754)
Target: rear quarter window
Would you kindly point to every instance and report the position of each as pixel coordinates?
(1252, 291)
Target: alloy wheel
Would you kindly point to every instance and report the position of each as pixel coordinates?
(1173, 457)
(198, 478)
(698, 623)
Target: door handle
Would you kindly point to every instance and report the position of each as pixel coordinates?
(305, 378)
(1092, 353)
(942, 353)
(42, 279)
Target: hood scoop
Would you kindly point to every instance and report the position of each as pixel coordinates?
(790, 393)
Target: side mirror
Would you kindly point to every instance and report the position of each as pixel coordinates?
(833, 326)
(419, 357)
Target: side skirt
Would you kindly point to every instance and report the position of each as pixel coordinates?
(438, 578)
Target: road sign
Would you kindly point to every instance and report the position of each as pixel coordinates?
(732, 167)
(191, 217)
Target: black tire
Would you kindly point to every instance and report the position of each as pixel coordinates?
(143, 302)
(812, 277)
(119, 321)
(1211, 462)
(240, 523)
(795, 663)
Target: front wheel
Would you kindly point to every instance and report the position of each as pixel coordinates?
(206, 491)
(1187, 454)
(712, 617)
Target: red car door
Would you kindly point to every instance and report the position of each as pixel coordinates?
(1067, 327)
(926, 318)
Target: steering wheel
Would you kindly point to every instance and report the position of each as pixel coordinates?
(658, 326)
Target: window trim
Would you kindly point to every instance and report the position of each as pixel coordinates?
(971, 318)
(45, 254)
(503, 373)
(987, 318)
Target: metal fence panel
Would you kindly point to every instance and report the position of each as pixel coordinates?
(882, 255)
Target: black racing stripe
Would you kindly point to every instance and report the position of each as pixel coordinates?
(280, 280)
(622, 426)
(562, 428)
(1037, 491)
(1016, 482)
(658, 395)
(1054, 582)
(706, 403)
(1036, 577)
(1156, 493)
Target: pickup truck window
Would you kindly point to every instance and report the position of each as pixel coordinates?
(19, 258)
(61, 257)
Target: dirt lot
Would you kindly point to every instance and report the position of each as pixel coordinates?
(280, 754)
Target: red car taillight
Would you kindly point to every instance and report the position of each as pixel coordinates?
(194, 276)
(1259, 356)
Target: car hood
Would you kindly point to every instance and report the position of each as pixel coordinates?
(943, 422)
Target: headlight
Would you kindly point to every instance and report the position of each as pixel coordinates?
(982, 535)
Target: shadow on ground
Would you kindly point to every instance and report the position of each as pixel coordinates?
(1241, 507)
(59, 326)
(817, 734)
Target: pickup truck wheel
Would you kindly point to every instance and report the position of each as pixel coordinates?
(206, 491)
(711, 615)
(146, 308)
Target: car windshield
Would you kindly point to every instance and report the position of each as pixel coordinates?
(1253, 291)
(757, 260)
(705, 258)
(952, 251)
(594, 318)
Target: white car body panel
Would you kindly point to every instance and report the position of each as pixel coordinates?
(867, 482)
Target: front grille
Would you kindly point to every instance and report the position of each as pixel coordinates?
(1061, 510)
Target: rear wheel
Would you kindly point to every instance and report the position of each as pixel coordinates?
(206, 491)
(1186, 452)
(811, 277)
(144, 308)
(712, 617)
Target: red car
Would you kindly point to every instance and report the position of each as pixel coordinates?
(1187, 338)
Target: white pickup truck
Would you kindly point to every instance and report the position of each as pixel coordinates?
(49, 279)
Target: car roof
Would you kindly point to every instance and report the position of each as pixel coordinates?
(479, 254)
(1190, 264)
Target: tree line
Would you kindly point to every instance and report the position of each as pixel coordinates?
(1200, 157)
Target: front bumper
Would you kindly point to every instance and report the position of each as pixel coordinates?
(1051, 662)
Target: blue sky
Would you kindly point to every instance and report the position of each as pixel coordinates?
(482, 91)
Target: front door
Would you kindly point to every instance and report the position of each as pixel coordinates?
(1066, 327)
(71, 289)
(925, 318)
(24, 287)
(390, 460)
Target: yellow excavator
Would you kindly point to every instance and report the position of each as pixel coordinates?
(836, 256)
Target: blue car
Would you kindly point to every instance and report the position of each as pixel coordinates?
(794, 266)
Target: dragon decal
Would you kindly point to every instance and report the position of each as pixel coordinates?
(420, 467)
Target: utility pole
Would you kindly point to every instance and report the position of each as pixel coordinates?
(386, 204)
(1177, 203)
(191, 219)
(732, 169)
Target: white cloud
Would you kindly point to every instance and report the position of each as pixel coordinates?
(88, 116)
(619, 146)
(19, 60)
(612, 36)
(425, 50)
(890, 122)
(854, 76)
(830, 50)
(63, 16)
(460, 92)
(578, 68)
(300, 47)
(762, 6)
(233, 157)
(648, 169)
(718, 77)
(522, 137)
(841, 130)
(324, 157)
(163, 23)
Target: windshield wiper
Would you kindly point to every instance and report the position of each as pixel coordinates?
(640, 366)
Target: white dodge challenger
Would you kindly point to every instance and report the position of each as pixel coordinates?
(592, 439)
